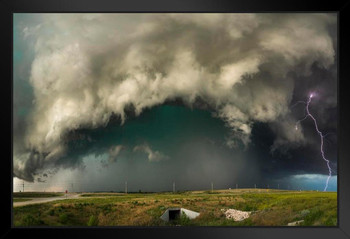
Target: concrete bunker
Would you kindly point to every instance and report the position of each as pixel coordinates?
(172, 214)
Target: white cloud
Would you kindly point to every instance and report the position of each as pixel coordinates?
(114, 151)
(153, 155)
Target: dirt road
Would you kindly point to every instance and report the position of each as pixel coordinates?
(44, 200)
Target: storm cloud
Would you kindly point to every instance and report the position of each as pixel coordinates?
(153, 156)
(89, 68)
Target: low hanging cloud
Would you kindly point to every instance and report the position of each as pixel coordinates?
(40, 180)
(286, 134)
(90, 67)
(152, 155)
(114, 152)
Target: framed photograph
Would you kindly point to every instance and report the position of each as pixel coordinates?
(167, 119)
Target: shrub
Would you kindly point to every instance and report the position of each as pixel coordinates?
(184, 220)
(51, 212)
(313, 216)
(29, 220)
(331, 221)
(63, 218)
(303, 213)
(249, 208)
(93, 221)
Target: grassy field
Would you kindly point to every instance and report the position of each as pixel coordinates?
(268, 207)
(35, 194)
(21, 199)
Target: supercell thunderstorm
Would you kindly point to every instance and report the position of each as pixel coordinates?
(88, 68)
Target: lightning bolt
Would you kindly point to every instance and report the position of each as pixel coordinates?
(308, 114)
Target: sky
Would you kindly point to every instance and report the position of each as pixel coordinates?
(153, 99)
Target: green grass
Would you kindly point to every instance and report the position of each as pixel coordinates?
(21, 199)
(35, 194)
(101, 194)
(269, 208)
(93, 221)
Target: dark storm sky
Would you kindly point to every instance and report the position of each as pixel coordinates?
(157, 98)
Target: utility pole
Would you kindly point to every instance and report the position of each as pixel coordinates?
(126, 187)
(173, 187)
(212, 187)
